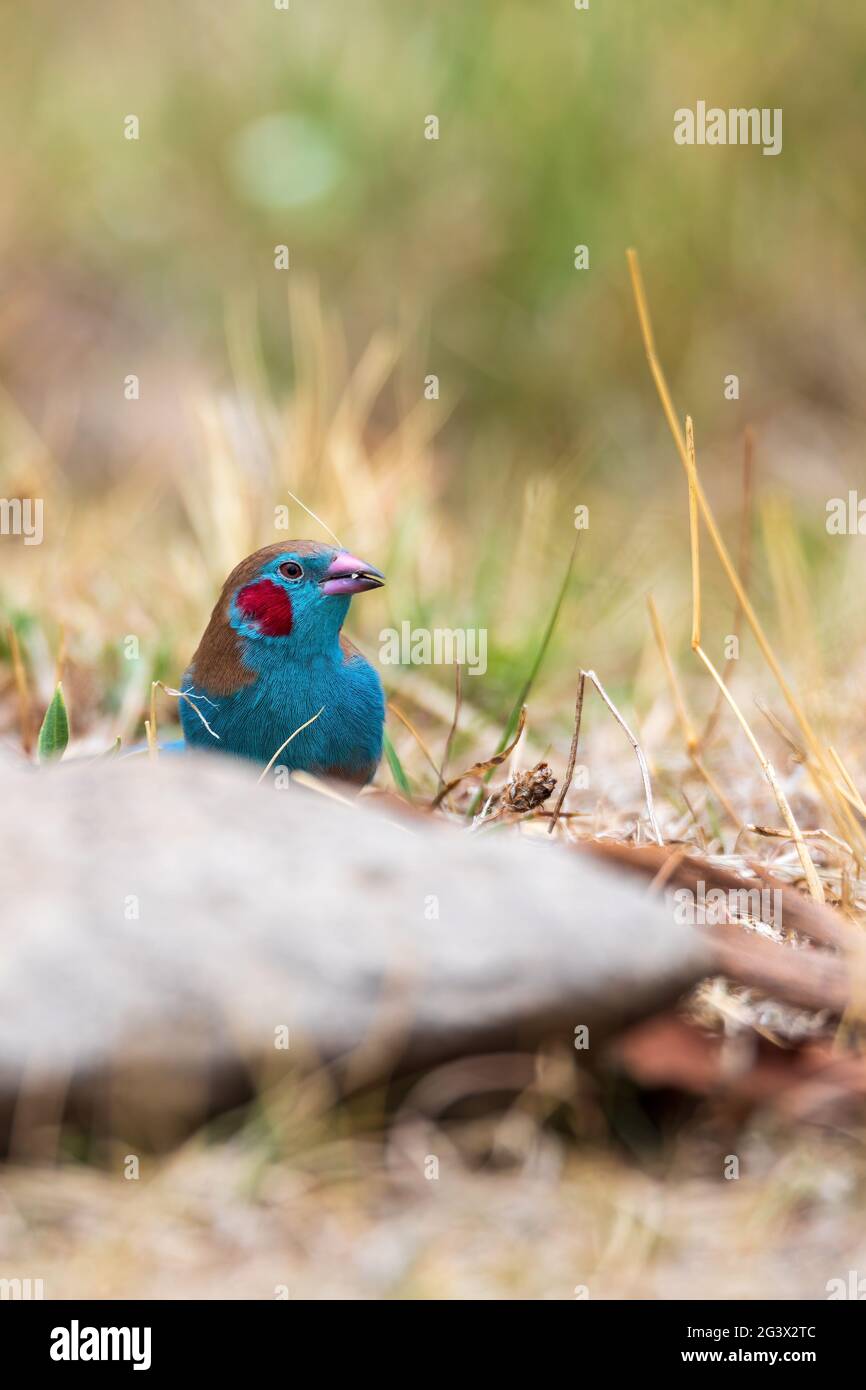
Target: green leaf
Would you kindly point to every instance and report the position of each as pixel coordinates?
(54, 734)
(401, 781)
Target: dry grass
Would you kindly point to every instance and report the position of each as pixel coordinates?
(604, 1191)
(557, 1223)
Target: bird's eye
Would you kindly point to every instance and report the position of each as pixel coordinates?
(290, 569)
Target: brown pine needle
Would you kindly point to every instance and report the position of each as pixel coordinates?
(784, 734)
(743, 569)
(811, 874)
(676, 690)
(778, 832)
(714, 787)
(684, 716)
(479, 770)
(698, 827)
(856, 798)
(819, 769)
(572, 755)
(815, 887)
(407, 723)
(851, 799)
(694, 538)
(458, 701)
(667, 870)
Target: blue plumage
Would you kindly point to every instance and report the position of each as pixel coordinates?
(273, 656)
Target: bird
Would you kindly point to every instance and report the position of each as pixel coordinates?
(273, 657)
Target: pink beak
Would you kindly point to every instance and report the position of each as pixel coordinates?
(346, 574)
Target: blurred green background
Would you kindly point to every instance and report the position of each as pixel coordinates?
(408, 257)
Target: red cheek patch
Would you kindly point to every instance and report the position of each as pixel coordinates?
(268, 606)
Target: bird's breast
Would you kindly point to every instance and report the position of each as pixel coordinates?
(342, 697)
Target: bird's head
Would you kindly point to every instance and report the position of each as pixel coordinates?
(299, 590)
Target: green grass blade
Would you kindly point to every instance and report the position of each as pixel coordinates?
(401, 781)
(532, 673)
(54, 734)
(540, 654)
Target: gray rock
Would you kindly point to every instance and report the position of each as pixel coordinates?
(164, 922)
